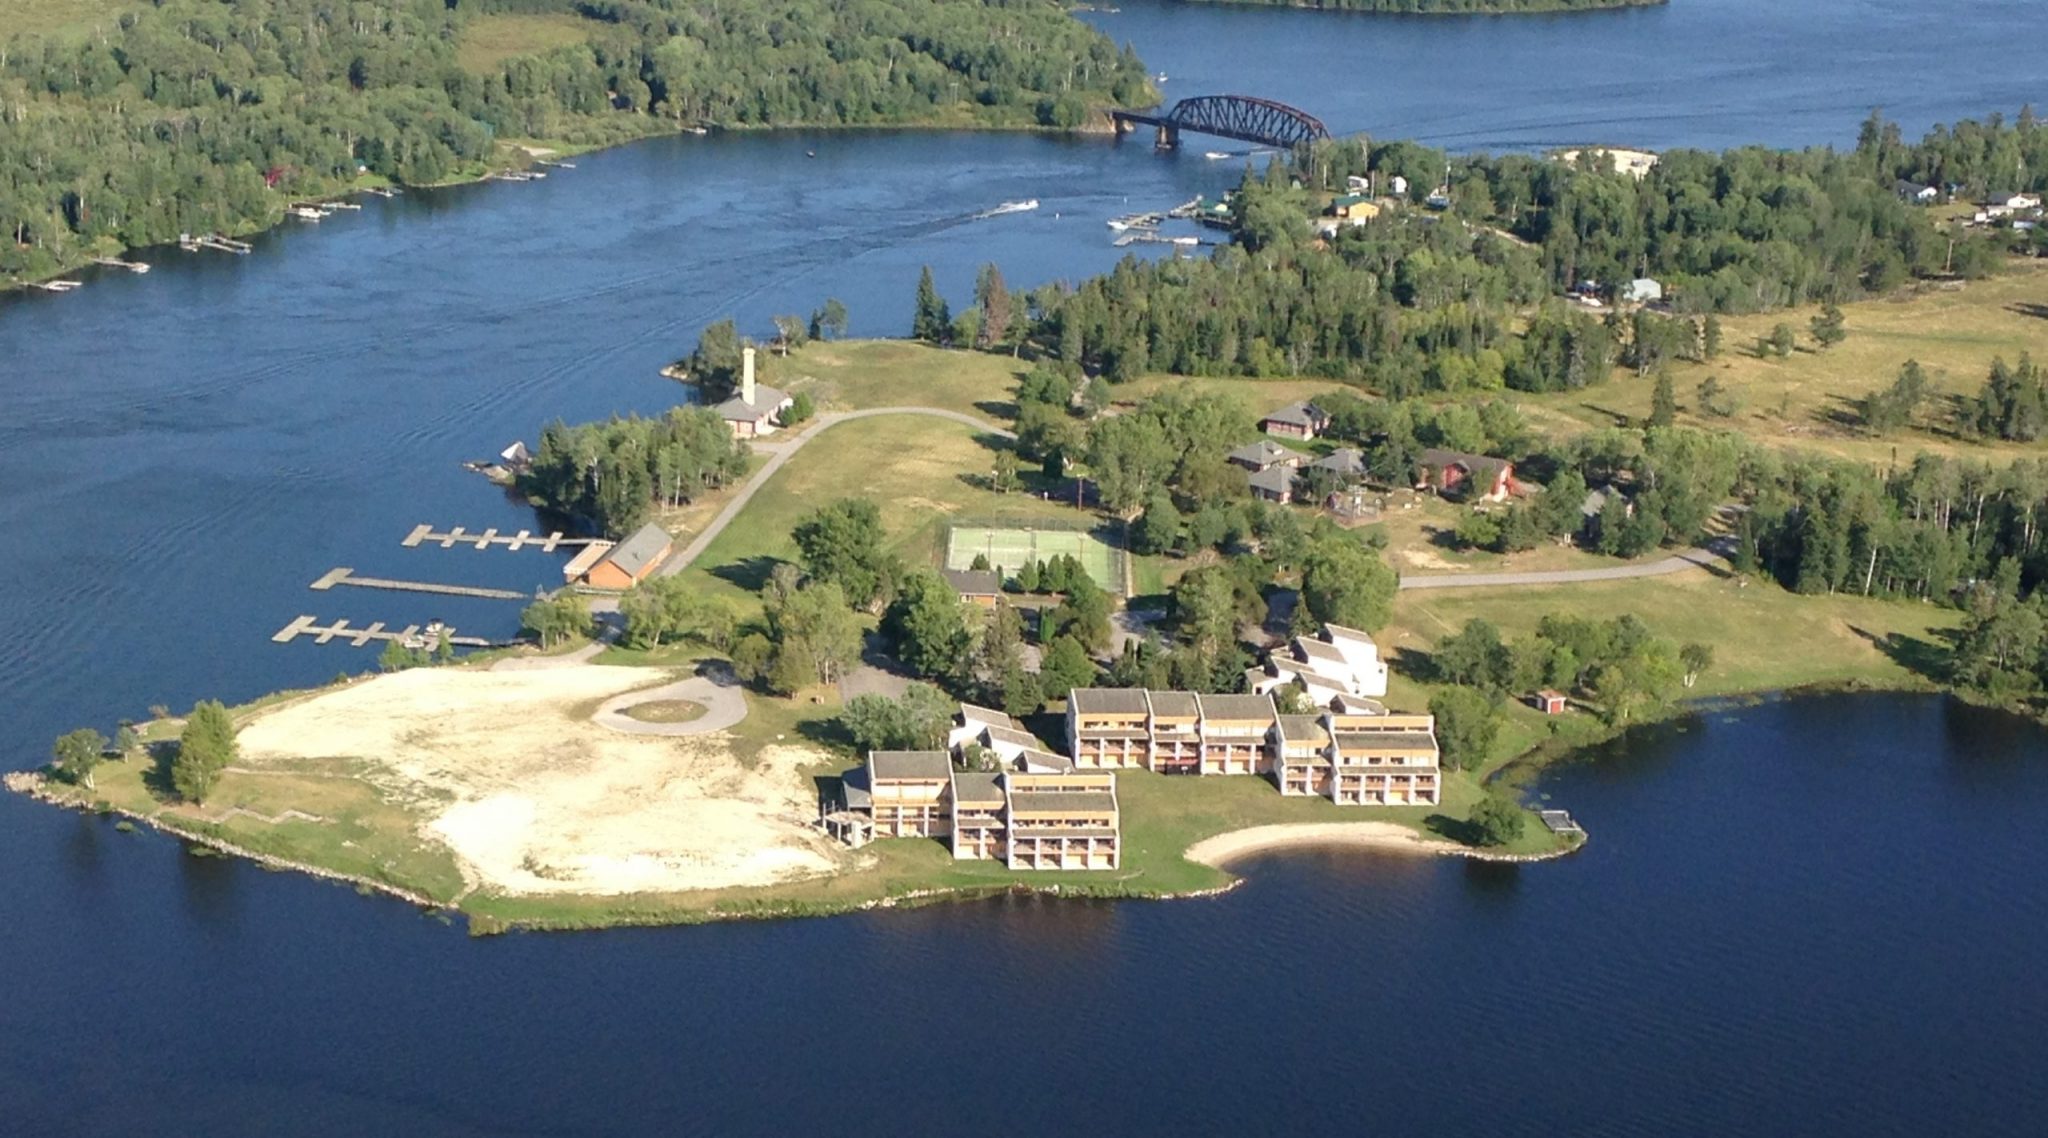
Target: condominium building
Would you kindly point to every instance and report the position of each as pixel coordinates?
(1108, 727)
(1383, 760)
(1062, 821)
(978, 803)
(1234, 730)
(911, 793)
(1174, 734)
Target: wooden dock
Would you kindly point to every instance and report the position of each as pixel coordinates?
(412, 635)
(546, 543)
(346, 576)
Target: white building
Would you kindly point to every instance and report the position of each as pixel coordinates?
(1342, 663)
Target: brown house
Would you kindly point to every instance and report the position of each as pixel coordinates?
(1264, 455)
(624, 565)
(1296, 421)
(981, 587)
(1273, 484)
(1475, 477)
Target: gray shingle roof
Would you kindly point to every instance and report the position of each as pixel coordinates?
(1346, 461)
(1259, 707)
(1275, 480)
(1302, 414)
(977, 787)
(973, 582)
(1063, 801)
(1264, 453)
(909, 764)
(1302, 729)
(1109, 701)
(1174, 704)
(1437, 459)
(766, 402)
(649, 544)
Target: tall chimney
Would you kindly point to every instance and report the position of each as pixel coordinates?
(747, 375)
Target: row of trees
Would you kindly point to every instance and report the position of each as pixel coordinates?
(206, 746)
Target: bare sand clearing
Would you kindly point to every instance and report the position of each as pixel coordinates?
(509, 772)
(1258, 839)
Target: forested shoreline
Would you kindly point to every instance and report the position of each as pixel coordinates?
(201, 116)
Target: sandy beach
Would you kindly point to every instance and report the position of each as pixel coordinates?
(1223, 848)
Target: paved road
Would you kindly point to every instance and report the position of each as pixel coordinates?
(781, 454)
(1676, 563)
(723, 707)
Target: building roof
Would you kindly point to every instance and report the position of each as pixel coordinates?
(1258, 707)
(909, 764)
(1109, 701)
(1303, 414)
(853, 789)
(1336, 632)
(1356, 705)
(1014, 737)
(1062, 802)
(648, 545)
(1303, 729)
(1308, 648)
(1436, 459)
(1057, 764)
(1174, 704)
(1386, 741)
(1275, 480)
(1347, 461)
(978, 787)
(1263, 453)
(987, 717)
(767, 401)
(974, 582)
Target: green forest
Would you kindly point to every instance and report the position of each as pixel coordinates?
(1451, 7)
(1422, 300)
(211, 115)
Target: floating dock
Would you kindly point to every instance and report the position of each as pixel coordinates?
(345, 576)
(118, 263)
(546, 543)
(412, 635)
(1560, 822)
(223, 244)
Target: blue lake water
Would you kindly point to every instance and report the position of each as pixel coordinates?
(1811, 917)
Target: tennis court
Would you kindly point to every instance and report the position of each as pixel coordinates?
(1010, 549)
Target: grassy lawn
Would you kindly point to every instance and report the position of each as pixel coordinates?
(488, 41)
(348, 826)
(42, 17)
(848, 374)
(665, 711)
(1764, 638)
(1808, 400)
(920, 486)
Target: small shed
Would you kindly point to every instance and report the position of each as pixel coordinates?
(1642, 290)
(1549, 702)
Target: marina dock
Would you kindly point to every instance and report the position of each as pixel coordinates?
(412, 635)
(346, 576)
(546, 543)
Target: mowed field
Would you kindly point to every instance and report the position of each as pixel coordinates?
(843, 374)
(488, 41)
(921, 471)
(44, 17)
(1010, 549)
(1809, 400)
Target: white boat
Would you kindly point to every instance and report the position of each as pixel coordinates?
(699, 130)
(1015, 207)
(1187, 241)
(1216, 155)
(1159, 78)
(1119, 224)
(305, 213)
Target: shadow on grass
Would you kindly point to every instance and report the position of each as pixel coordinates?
(156, 777)
(829, 732)
(750, 573)
(997, 409)
(1456, 829)
(1413, 663)
(2026, 308)
(1930, 659)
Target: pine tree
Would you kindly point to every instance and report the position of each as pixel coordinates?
(1663, 402)
(933, 322)
(205, 748)
(1828, 329)
(1710, 336)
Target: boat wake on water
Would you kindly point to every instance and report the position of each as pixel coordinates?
(1024, 206)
